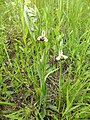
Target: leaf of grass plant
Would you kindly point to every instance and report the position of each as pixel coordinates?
(55, 117)
(52, 107)
(7, 103)
(51, 73)
(37, 113)
(12, 117)
(26, 17)
(67, 97)
(16, 115)
(71, 102)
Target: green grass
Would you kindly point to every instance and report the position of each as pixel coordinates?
(33, 85)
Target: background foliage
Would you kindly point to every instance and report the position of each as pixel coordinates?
(33, 86)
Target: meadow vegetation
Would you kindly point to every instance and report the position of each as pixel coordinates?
(34, 85)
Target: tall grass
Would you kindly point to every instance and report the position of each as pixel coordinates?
(34, 86)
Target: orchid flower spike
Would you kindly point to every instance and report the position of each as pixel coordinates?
(61, 56)
(42, 37)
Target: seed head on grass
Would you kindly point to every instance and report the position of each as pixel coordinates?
(61, 56)
(42, 37)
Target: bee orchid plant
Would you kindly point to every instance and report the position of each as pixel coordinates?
(42, 37)
(61, 56)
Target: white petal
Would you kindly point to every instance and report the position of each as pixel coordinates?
(45, 39)
(58, 58)
(65, 57)
(39, 37)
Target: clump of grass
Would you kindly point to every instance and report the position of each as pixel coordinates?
(33, 84)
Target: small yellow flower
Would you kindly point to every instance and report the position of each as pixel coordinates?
(61, 56)
(42, 37)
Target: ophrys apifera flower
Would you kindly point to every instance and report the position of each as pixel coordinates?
(61, 56)
(42, 37)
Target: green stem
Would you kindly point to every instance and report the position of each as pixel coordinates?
(60, 83)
